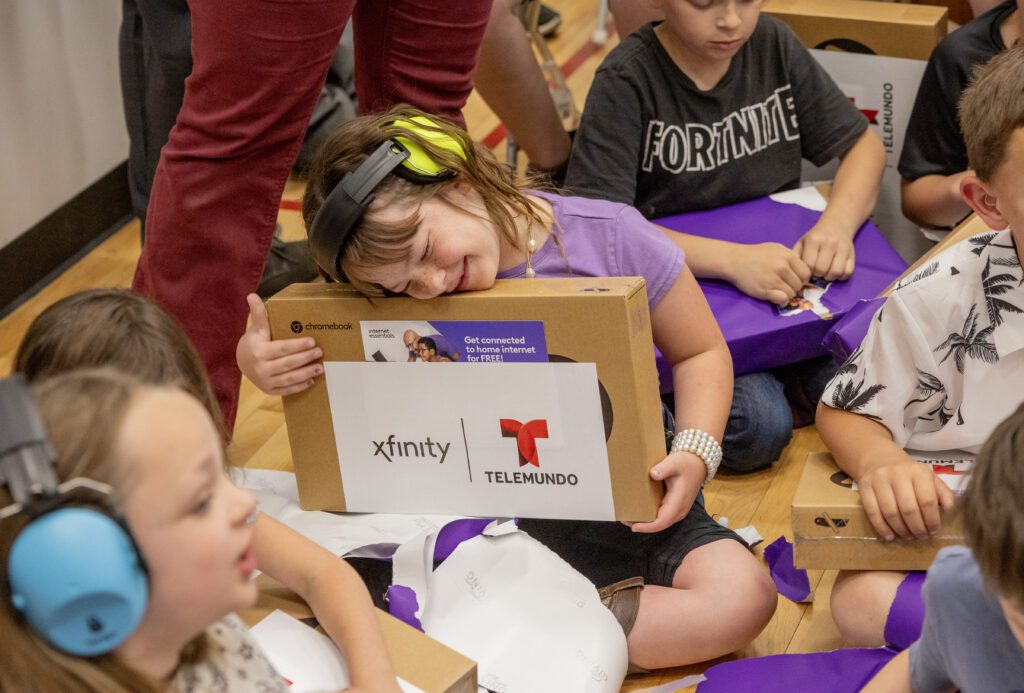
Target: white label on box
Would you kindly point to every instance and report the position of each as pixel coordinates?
(883, 89)
(483, 439)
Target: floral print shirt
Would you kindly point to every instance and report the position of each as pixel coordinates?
(943, 361)
(235, 664)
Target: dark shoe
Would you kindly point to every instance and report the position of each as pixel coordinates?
(548, 21)
(623, 599)
(287, 264)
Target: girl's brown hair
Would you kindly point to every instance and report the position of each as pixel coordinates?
(118, 328)
(83, 413)
(991, 509)
(375, 242)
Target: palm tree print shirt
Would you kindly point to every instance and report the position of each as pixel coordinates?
(943, 361)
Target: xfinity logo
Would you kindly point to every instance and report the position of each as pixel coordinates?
(390, 448)
(526, 435)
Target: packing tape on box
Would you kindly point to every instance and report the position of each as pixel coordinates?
(527, 617)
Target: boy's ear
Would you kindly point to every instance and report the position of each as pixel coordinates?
(981, 200)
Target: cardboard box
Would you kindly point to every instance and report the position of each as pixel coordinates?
(897, 30)
(548, 408)
(417, 658)
(832, 531)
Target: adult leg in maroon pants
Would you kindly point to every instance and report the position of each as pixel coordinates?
(258, 69)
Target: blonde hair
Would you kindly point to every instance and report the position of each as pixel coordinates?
(119, 328)
(83, 413)
(992, 109)
(375, 242)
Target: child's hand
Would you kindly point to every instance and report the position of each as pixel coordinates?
(683, 474)
(827, 251)
(769, 272)
(903, 498)
(278, 367)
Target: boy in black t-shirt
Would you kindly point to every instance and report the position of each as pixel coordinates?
(717, 105)
(934, 158)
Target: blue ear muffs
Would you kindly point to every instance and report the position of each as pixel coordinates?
(76, 578)
(346, 204)
(74, 572)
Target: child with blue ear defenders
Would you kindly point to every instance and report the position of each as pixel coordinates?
(100, 602)
(402, 203)
(119, 328)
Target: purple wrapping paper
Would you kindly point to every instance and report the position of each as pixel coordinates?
(842, 671)
(844, 338)
(402, 605)
(906, 615)
(791, 582)
(402, 602)
(456, 532)
(758, 338)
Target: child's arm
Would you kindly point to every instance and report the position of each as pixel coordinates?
(901, 496)
(279, 366)
(828, 247)
(337, 596)
(934, 200)
(686, 333)
(765, 271)
(893, 678)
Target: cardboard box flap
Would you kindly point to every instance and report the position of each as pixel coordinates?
(863, 10)
(511, 288)
(417, 658)
(896, 30)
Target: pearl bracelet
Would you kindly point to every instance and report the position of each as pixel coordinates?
(703, 446)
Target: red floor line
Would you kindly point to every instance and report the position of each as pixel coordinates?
(495, 136)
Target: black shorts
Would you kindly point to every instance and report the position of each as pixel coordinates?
(606, 552)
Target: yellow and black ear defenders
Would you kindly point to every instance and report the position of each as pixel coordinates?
(345, 205)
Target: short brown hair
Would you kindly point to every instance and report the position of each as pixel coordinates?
(117, 328)
(375, 243)
(83, 413)
(992, 108)
(993, 518)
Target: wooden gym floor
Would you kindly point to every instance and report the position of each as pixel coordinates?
(260, 438)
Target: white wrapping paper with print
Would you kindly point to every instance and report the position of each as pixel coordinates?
(529, 619)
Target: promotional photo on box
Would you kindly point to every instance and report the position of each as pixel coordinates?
(831, 530)
(530, 399)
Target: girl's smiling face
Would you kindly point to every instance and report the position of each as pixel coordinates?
(188, 519)
(455, 247)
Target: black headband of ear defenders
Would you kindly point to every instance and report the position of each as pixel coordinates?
(346, 204)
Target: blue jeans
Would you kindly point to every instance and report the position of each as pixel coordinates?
(764, 408)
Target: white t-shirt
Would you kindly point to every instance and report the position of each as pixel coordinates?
(942, 364)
